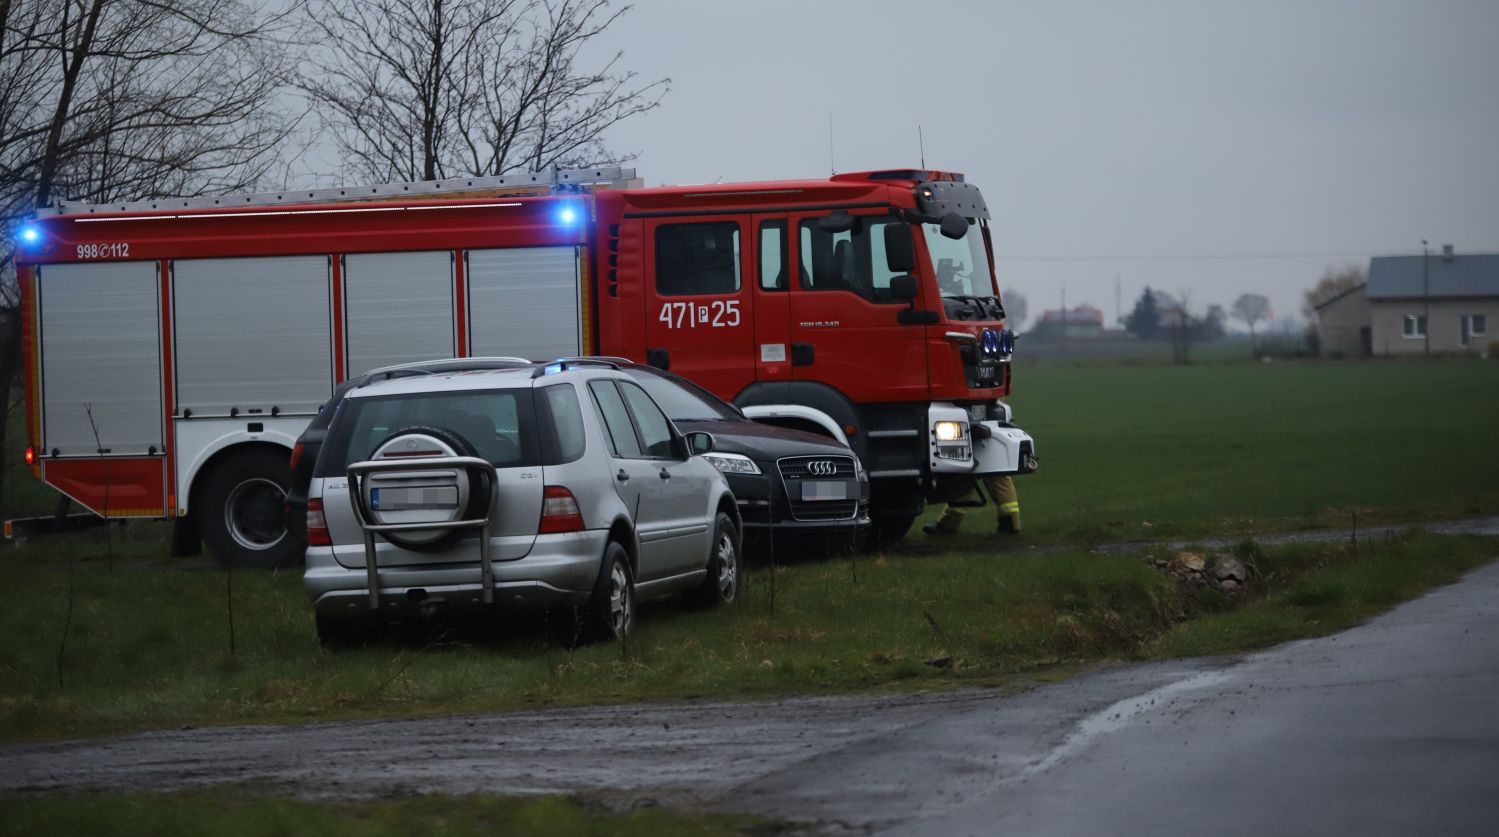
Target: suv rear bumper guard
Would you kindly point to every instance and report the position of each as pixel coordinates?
(359, 471)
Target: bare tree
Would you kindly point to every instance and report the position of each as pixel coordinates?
(1179, 324)
(429, 89)
(1253, 309)
(103, 100)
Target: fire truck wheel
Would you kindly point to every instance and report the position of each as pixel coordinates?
(478, 495)
(242, 516)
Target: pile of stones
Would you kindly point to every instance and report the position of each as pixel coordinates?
(1223, 572)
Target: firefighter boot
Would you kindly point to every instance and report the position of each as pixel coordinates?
(948, 524)
(1002, 489)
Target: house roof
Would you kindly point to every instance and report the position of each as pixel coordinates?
(1400, 277)
(1330, 300)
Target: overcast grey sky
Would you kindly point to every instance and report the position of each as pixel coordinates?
(1111, 138)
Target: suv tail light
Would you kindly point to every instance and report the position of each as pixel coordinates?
(296, 455)
(317, 524)
(559, 511)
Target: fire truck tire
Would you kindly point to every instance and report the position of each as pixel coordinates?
(478, 495)
(242, 514)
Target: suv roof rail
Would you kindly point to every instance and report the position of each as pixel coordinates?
(454, 364)
(545, 182)
(561, 364)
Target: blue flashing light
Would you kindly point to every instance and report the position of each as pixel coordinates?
(30, 234)
(567, 215)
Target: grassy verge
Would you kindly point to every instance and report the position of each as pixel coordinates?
(149, 647)
(1313, 590)
(230, 813)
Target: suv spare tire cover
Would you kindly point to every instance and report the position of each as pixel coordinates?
(431, 495)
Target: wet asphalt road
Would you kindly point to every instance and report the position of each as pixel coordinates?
(1390, 728)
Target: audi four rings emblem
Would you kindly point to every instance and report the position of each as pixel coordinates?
(822, 468)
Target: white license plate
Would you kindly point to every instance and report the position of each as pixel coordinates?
(407, 499)
(814, 490)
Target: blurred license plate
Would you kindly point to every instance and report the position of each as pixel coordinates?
(814, 490)
(426, 497)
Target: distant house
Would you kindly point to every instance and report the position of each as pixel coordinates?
(1446, 300)
(1452, 300)
(1083, 322)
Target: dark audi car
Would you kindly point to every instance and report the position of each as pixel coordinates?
(800, 483)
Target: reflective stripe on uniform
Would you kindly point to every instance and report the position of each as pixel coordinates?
(1010, 508)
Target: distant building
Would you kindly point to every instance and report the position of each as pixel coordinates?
(1083, 322)
(1452, 299)
(1343, 324)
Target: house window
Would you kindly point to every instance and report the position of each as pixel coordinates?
(1415, 327)
(1480, 324)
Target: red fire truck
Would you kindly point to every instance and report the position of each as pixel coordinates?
(174, 350)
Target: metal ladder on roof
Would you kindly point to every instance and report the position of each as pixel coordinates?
(517, 185)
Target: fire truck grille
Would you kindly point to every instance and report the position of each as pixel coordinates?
(820, 474)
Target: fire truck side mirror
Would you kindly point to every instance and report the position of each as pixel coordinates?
(903, 288)
(954, 225)
(900, 249)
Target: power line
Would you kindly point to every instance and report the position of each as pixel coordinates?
(1231, 257)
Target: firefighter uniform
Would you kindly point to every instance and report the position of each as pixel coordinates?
(1007, 506)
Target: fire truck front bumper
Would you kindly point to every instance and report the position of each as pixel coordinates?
(960, 444)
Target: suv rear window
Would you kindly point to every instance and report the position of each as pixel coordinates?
(500, 424)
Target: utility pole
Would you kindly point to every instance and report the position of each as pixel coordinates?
(1118, 302)
(1426, 294)
(1064, 318)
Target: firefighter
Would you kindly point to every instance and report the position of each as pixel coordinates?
(1006, 502)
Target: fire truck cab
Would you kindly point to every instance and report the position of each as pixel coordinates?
(174, 350)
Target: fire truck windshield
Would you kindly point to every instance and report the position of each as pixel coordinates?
(960, 265)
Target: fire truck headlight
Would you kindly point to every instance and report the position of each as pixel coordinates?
(948, 431)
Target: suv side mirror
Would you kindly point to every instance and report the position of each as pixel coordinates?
(903, 288)
(699, 442)
(900, 248)
(954, 225)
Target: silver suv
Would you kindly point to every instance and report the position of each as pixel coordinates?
(559, 487)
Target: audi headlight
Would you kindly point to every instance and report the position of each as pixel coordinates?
(949, 431)
(732, 463)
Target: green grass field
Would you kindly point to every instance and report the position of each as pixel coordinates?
(245, 811)
(1158, 451)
